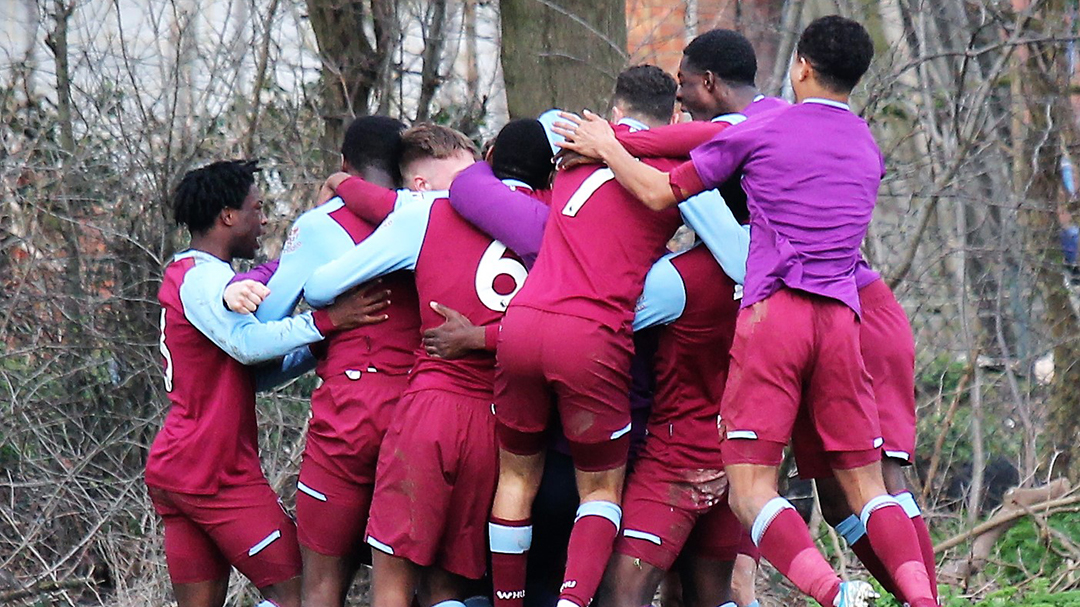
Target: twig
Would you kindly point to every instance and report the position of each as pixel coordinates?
(1004, 517)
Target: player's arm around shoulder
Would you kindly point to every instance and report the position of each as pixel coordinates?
(241, 336)
(663, 298)
(711, 219)
(394, 245)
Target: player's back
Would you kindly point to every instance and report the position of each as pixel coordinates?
(598, 245)
(462, 268)
(389, 346)
(691, 364)
(209, 436)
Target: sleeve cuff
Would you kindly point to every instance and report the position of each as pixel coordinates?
(491, 336)
(323, 322)
(685, 181)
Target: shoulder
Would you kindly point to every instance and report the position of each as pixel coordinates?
(415, 214)
(204, 273)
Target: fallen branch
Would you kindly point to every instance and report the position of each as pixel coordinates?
(1012, 511)
(45, 588)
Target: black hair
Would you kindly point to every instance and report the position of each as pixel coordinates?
(522, 152)
(838, 49)
(726, 53)
(648, 90)
(374, 141)
(204, 192)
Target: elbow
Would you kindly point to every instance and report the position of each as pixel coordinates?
(658, 200)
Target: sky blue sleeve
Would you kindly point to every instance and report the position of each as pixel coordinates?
(295, 364)
(728, 241)
(393, 246)
(308, 246)
(241, 336)
(663, 299)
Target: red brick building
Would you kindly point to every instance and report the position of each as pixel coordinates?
(657, 30)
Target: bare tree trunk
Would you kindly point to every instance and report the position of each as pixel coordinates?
(64, 220)
(351, 62)
(561, 53)
(260, 79)
(1051, 118)
(434, 42)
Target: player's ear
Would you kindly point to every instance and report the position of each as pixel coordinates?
(676, 116)
(227, 216)
(420, 184)
(616, 113)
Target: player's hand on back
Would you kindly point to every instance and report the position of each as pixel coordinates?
(244, 296)
(454, 338)
(360, 306)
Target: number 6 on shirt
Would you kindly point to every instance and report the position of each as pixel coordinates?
(492, 265)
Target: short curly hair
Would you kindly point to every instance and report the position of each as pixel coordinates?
(204, 192)
(374, 141)
(726, 53)
(647, 89)
(839, 50)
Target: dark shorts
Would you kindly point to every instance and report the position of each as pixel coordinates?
(243, 526)
(435, 483)
(796, 356)
(668, 510)
(337, 477)
(575, 366)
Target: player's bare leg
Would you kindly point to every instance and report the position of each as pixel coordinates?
(783, 538)
(890, 531)
(326, 579)
(705, 582)
(438, 585)
(283, 594)
(743, 591)
(510, 526)
(393, 580)
(202, 594)
(519, 480)
(628, 582)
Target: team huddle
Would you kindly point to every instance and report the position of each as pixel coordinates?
(525, 397)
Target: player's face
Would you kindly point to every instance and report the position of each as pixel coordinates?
(692, 93)
(249, 220)
(439, 173)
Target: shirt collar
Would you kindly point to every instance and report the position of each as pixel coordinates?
(635, 125)
(758, 98)
(732, 118)
(828, 102)
(518, 184)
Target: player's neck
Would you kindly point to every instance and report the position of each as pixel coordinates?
(377, 176)
(744, 97)
(210, 244)
(813, 90)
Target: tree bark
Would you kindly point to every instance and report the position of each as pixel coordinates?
(561, 53)
(1051, 118)
(351, 63)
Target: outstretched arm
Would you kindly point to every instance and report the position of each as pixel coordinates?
(368, 201)
(711, 219)
(393, 246)
(670, 141)
(592, 136)
(514, 218)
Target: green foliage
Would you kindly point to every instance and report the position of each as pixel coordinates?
(1026, 550)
